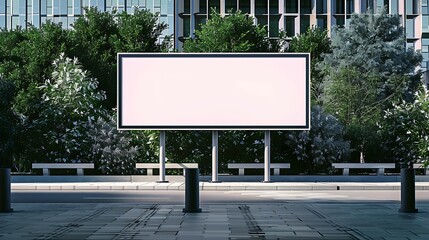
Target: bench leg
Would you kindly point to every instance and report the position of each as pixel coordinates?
(276, 171)
(46, 172)
(380, 172)
(149, 171)
(345, 171)
(241, 171)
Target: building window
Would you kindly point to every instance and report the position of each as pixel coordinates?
(322, 22)
(261, 7)
(425, 23)
(339, 21)
(263, 21)
(304, 23)
(305, 7)
(412, 6)
(274, 26)
(203, 6)
(244, 6)
(350, 6)
(2, 22)
(321, 7)
(274, 7)
(230, 5)
(186, 26)
(290, 26)
(339, 6)
(410, 27)
(291, 6)
(394, 6)
(410, 44)
(214, 4)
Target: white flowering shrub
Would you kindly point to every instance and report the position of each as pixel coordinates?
(71, 101)
(323, 144)
(112, 150)
(405, 128)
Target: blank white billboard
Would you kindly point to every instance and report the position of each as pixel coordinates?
(231, 91)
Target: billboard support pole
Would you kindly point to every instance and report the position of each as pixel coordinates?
(162, 157)
(215, 145)
(267, 156)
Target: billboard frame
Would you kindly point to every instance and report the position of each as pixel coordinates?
(122, 56)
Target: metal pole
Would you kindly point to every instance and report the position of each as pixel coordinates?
(267, 157)
(215, 144)
(192, 191)
(162, 157)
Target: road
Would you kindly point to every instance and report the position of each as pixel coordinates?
(213, 197)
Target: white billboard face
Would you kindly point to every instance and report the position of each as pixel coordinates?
(213, 91)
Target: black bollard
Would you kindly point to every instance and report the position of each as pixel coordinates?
(5, 190)
(408, 191)
(192, 191)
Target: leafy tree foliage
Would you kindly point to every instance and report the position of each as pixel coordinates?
(405, 128)
(111, 150)
(98, 36)
(8, 124)
(316, 42)
(367, 70)
(70, 102)
(323, 144)
(233, 33)
(26, 58)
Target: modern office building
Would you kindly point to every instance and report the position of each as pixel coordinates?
(184, 16)
(295, 16)
(15, 13)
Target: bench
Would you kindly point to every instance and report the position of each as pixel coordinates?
(379, 166)
(242, 166)
(47, 166)
(419, 165)
(151, 166)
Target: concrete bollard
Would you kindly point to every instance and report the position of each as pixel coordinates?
(192, 191)
(408, 191)
(5, 194)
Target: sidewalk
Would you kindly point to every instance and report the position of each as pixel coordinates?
(296, 221)
(223, 186)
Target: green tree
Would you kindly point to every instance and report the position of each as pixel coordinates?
(70, 102)
(98, 36)
(405, 128)
(8, 124)
(316, 42)
(26, 58)
(232, 33)
(318, 147)
(367, 70)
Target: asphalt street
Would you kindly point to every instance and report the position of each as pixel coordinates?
(212, 197)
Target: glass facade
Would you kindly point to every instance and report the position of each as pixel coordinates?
(14, 13)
